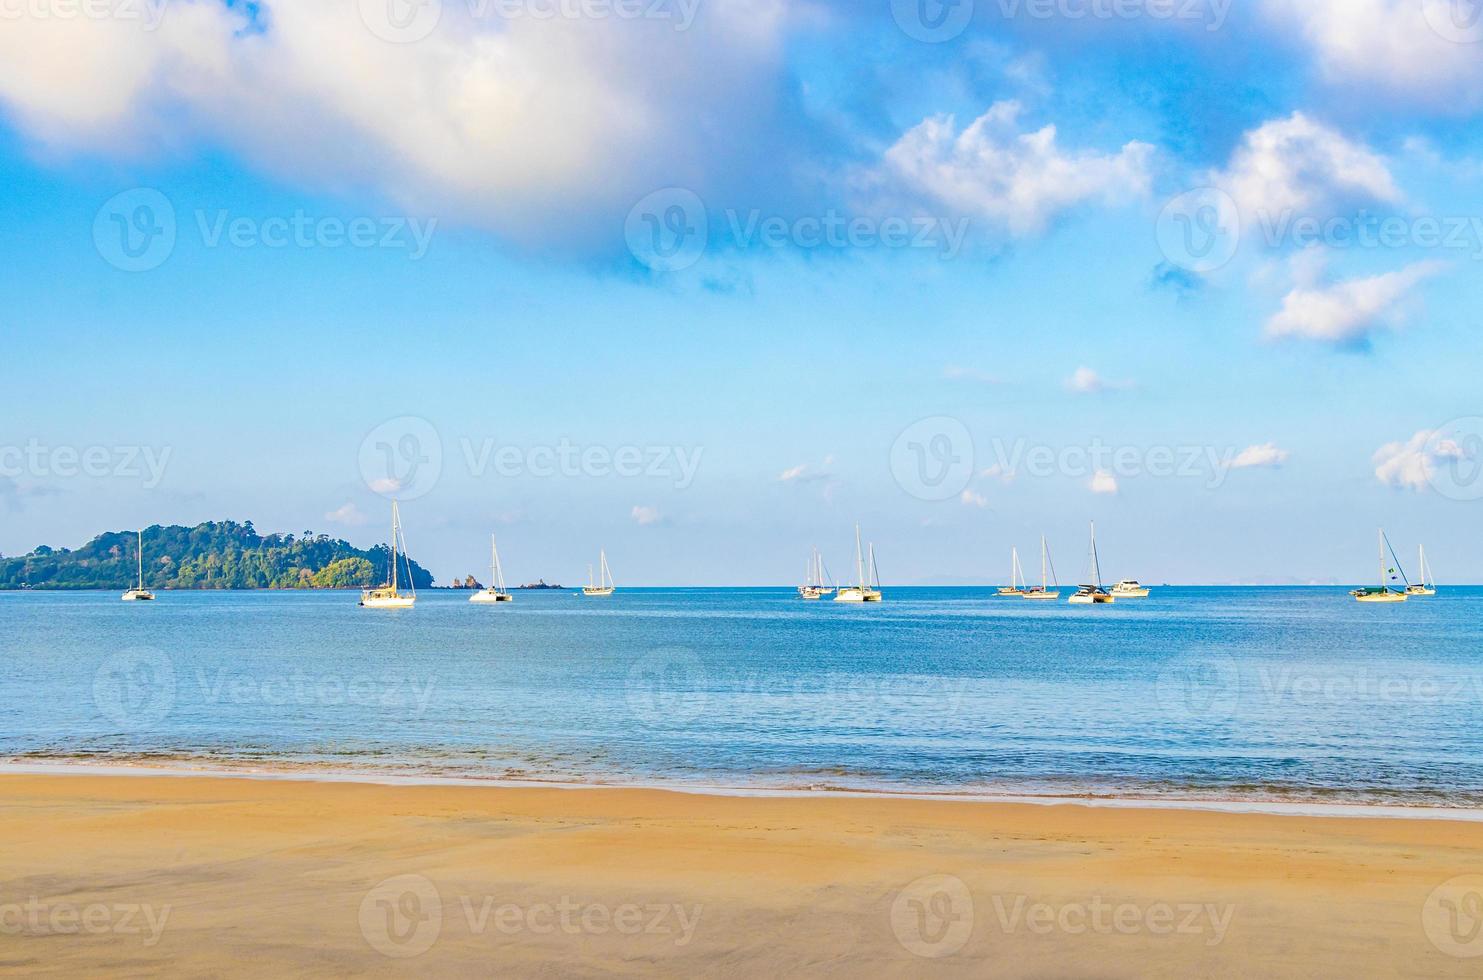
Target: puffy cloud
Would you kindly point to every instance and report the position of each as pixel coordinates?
(1298, 165)
(1347, 312)
(347, 514)
(646, 516)
(1088, 382)
(1412, 464)
(537, 128)
(1267, 455)
(1016, 180)
(1104, 482)
(1417, 51)
(972, 498)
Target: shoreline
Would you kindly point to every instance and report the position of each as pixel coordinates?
(330, 775)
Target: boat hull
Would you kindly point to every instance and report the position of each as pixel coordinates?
(1420, 590)
(1011, 592)
(597, 592)
(858, 595)
(489, 596)
(386, 600)
(1082, 599)
(1040, 596)
(1380, 597)
(138, 595)
(1130, 593)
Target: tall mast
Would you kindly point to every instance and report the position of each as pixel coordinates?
(1381, 546)
(141, 561)
(1042, 563)
(1096, 565)
(395, 521)
(859, 559)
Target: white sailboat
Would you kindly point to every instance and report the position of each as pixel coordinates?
(1016, 575)
(814, 586)
(1383, 592)
(604, 584)
(496, 591)
(1044, 592)
(868, 589)
(1428, 584)
(391, 596)
(1094, 594)
(140, 594)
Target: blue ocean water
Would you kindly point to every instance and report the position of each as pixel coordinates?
(1197, 693)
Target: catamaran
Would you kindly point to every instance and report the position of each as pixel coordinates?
(1383, 592)
(1016, 584)
(814, 587)
(391, 596)
(496, 591)
(868, 589)
(1088, 595)
(1044, 592)
(141, 594)
(604, 583)
(1428, 584)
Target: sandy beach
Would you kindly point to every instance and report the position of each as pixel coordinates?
(130, 875)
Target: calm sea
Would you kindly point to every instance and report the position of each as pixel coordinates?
(1294, 694)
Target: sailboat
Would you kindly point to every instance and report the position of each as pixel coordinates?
(496, 591)
(1016, 584)
(391, 596)
(604, 583)
(1427, 585)
(868, 589)
(1383, 592)
(814, 587)
(1088, 595)
(141, 594)
(1044, 592)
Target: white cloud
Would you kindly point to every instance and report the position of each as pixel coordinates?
(793, 473)
(972, 498)
(386, 484)
(1413, 50)
(955, 373)
(1299, 166)
(1088, 382)
(1264, 455)
(1016, 180)
(646, 516)
(519, 124)
(1410, 465)
(1346, 312)
(1104, 482)
(347, 514)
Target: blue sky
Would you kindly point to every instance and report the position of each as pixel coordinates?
(1205, 273)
